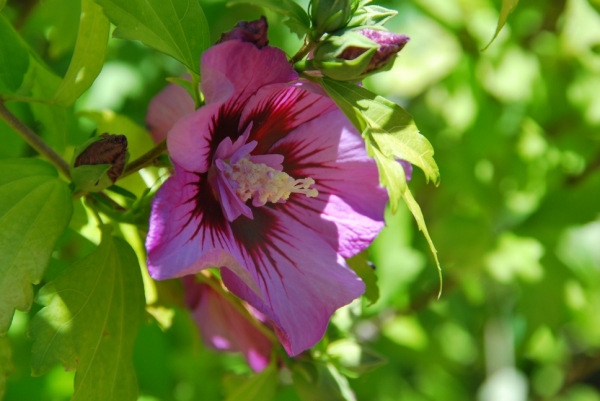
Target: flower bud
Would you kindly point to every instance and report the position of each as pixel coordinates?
(98, 163)
(248, 31)
(331, 15)
(389, 45)
(357, 53)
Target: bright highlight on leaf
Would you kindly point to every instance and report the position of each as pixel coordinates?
(90, 320)
(508, 6)
(177, 28)
(89, 54)
(390, 134)
(35, 208)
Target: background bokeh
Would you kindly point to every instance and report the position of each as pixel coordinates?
(516, 133)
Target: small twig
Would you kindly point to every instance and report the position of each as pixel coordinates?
(207, 278)
(145, 160)
(34, 140)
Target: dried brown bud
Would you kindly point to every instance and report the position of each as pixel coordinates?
(107, 149)
(249, 31)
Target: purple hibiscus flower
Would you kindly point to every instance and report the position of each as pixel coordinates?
(272, 184)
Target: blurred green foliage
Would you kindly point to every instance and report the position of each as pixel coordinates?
(516, 133)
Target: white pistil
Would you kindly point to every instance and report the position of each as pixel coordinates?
(263, 184)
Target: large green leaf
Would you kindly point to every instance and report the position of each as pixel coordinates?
(508, 6)
(6, 366)
(390, 133)
(176, 27)
(35, 208)
(89, 54)
(14, 58)
(261, 387)
(298, 20)
(90, 321)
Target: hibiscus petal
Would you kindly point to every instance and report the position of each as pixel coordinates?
(188, 231)
(166, 108)
(236, 68)
(190, 141)
(222, 327)
(329, 150)
(277, 109)
(302, 278)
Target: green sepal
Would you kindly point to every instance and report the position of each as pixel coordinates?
(91, 178)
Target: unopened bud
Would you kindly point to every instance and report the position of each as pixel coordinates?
(331, 15)
(249, 31)
(356, 54)
(98, 163)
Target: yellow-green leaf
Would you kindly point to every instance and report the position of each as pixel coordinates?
(35, 208)
(89, 54)
(508, 6)
(90, 319)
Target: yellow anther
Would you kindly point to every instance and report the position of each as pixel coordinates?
(265, 184)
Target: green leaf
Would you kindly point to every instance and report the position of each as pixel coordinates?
(89, 54)
(316, 381)
(508, 6)
(298, 20)
(261, 387)
(2, 4)
(175, 27)
(6, 366)
(14, 58)
(360, 264)
(90, 321)
(35, 208)
(389, 133)
(57, 121)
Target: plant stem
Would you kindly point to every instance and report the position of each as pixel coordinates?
(207, 278)
(145, 160)
(34, 140)
(304, 50)
(26, 99)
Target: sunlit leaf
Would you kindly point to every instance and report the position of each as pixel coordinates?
(89, 54)
(508, 6)
(360, 264)
(389, 134)
(6, 366)
(298, 20)
(315, 381)
(90, 320)
(14, 58)
(175, 27)
(261, 387)
(35, 208)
